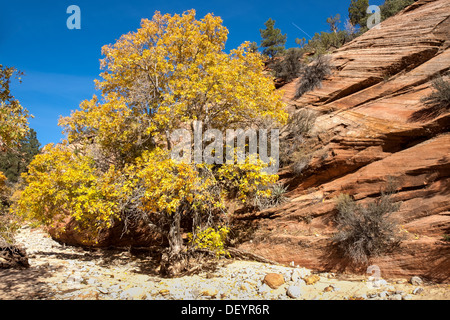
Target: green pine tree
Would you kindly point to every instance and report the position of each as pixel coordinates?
(273, 40)
(392, 7)
(14, 162)
(357, 12)
(254, 47)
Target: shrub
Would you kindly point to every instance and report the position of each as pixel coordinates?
(274, 199)
(312, 75)
(289, 66)
(299, 125)
(301, 163)
(365, 231)
(302, 121)
(440, 97)
(357, 12)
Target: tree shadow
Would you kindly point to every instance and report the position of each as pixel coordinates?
(333, 260)
(431, 112)
(25, 284)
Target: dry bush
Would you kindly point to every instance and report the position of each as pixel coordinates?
(298, 126)
(366, 231)
(301, 122)
(289, 66)
(8, 228)
(311, 76)
(301, 163)
(440, 97)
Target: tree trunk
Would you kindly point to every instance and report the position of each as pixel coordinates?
(173, 260)
(175, 240)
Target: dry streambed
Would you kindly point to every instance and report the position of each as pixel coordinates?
(62, 273)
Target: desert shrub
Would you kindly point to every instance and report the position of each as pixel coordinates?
(9, 224)
(289, 66)
(312, 75)
(365, 231)
(298, 126)
(440, 97)
(273, 40)
(301, 163)
(275, 198)
(302, 121)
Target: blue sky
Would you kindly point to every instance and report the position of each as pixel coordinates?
(61, 64)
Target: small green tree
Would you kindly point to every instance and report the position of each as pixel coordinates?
(301, 42)
(357, 12)
(334, 22)
(273, 40)
(13, 127)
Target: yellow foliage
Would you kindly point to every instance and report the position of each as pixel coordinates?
(211, 239)
(171, 71)
(61, 183)
(174, 70)
(2, 182)
(13, 117)
(247, 178)
(168, 184)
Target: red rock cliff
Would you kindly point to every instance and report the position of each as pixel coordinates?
(373, 127)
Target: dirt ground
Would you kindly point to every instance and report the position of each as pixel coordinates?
(59, 272)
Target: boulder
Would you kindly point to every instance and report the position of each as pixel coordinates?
(294, 292)
(416, 281)
(274, 280)
(312, 279)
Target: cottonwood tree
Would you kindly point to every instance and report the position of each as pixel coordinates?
(169, 73)
(13, 127)
(13, 117)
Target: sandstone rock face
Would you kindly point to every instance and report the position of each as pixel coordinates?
(373, 129)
